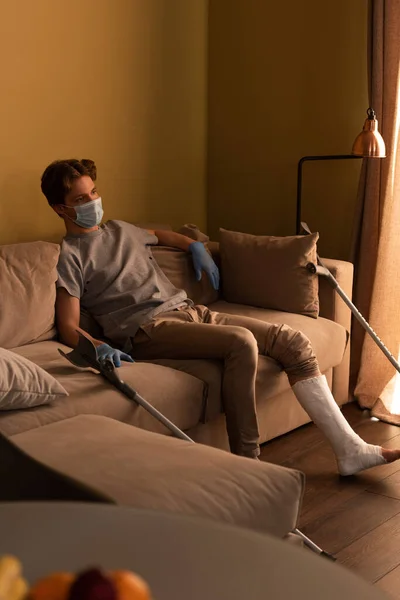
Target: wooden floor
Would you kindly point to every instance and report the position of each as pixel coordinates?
(357, 519)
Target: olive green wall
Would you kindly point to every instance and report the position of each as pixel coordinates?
(120, 81)
(125, 81)
(286, 79)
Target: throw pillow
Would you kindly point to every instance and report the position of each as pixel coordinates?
(23, 384)
(270, 272)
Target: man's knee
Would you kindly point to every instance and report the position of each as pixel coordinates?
(240, 337)
(294, 351)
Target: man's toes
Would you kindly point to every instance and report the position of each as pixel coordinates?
(390, 455)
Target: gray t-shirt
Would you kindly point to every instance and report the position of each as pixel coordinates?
(113, 273)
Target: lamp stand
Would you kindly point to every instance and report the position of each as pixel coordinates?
(321, 269)
(300, 179)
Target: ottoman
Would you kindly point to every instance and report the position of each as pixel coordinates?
(133, 467)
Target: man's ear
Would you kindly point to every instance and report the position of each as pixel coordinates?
(59, 209)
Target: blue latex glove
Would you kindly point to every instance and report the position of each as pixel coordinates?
(105, 352)
(202, 261)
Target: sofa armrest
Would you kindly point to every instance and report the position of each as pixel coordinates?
(331, 305)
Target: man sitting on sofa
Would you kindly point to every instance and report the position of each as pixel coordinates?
(109, 270)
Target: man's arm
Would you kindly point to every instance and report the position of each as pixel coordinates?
(202, 261)
(68, 317)
(170, 238)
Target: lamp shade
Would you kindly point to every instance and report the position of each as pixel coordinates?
(369, 142)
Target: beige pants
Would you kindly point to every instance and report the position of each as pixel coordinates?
(197, 332)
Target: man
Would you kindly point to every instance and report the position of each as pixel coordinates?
(109, 270)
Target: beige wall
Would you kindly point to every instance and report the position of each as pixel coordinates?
(119, 81)
(286, 79)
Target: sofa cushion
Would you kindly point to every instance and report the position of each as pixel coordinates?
(270, 272)
(27, 283)
(146, 470)
(179, 396)
(23, 384)
(209, 371)
(178, 267)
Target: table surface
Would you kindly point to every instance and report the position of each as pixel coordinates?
(180, 557)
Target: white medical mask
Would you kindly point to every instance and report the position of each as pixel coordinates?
(88, 215)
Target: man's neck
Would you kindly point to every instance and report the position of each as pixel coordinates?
(74, 229)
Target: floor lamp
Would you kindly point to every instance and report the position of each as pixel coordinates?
(368, 144)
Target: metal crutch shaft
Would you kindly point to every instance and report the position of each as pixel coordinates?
(131, 393)
(85, 355)
(310, 544)
(321, 269)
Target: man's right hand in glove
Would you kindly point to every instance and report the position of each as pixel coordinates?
(106, 352)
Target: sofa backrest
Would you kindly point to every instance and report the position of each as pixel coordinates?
(27, 292)
(27, 288)
(28, 272)
(178, 267)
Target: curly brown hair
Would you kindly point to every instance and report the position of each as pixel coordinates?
(58, 177)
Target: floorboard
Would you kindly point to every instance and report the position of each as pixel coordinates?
(355, 518)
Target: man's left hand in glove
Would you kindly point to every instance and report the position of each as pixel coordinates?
(202, 261)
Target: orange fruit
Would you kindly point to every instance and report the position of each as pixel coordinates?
(129, 586)
(93, 584)
(53, 587)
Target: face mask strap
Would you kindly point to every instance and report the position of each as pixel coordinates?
(64, 214)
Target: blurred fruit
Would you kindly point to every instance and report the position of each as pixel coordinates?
(18, 590)
(12, 584)
(92, 584)
(53, 587)
(129, 586)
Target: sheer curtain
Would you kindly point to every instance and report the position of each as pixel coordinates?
(377, 248)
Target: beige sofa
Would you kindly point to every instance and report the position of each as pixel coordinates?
(83, 447)
(186, 391)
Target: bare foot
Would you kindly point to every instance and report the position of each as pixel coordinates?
(390, 455)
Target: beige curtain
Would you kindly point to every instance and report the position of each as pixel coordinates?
(377, 256)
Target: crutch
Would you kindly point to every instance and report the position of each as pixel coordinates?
(321, 269)
(85, 356)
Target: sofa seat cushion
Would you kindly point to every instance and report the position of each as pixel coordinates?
(328, 339)
(209, 371)
(179, 396)
(147, 470)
